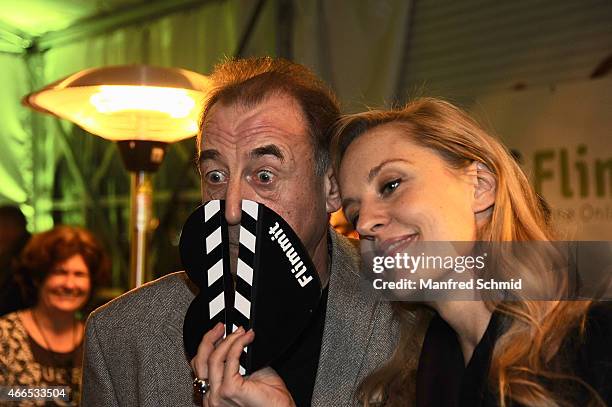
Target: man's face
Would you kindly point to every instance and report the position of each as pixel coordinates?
(264, 153)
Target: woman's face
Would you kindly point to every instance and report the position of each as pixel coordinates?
(67, 285)
(396, 192)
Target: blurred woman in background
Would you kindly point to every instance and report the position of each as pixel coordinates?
(42, 345)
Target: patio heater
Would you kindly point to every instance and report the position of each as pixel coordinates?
(143, 109)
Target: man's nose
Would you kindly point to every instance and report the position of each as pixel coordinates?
(233, 203)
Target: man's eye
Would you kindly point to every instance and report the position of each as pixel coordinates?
(215, 177)
(390, 186)
(264, 176)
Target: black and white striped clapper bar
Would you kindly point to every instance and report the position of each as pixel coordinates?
(205, 256)
(244, 271)
(275, 289)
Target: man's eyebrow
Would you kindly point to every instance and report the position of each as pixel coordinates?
(374, 171)
(269, 149)
(208, 155)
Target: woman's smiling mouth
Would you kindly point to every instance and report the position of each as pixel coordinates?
(395, 245)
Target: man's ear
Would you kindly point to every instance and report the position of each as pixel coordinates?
(484, 189)
(332, 191)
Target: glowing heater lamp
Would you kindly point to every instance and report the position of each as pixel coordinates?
(142, 108)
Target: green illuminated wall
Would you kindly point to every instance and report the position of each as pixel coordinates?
(372, 53)
(58, 173)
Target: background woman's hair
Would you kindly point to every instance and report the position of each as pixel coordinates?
(45, 250)
(535, 329)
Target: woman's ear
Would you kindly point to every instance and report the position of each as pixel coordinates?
(332, 191)
(485, 188)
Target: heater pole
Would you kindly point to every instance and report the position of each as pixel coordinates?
(141, 209)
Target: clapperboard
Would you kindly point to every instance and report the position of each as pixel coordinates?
(276, 289)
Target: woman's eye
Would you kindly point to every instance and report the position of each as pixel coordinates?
(215, 177)
(264, 176)
(389, 187)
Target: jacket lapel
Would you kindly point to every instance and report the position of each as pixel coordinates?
(350, 326)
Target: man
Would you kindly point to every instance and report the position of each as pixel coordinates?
(13, 238)
(263, 137)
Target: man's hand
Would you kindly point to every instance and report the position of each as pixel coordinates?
(218, 361)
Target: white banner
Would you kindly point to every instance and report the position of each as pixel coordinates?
(564, 136)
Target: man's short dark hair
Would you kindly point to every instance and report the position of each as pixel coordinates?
(10, 214)
(250, 81)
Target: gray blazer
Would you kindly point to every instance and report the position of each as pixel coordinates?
(134, 349)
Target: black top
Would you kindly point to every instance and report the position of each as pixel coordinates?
(299, 369)
(58, 368)
(444, 380)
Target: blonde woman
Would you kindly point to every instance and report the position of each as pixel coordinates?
(429, 172)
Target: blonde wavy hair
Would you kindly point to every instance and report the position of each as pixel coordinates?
(536, 329)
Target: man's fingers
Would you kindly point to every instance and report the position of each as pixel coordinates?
(199, 363)
(216, 361)
(232, 361)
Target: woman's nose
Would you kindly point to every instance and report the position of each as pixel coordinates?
(69, 281)
(372, 219)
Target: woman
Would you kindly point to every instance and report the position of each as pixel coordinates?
(42, 345)
(429, 172)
